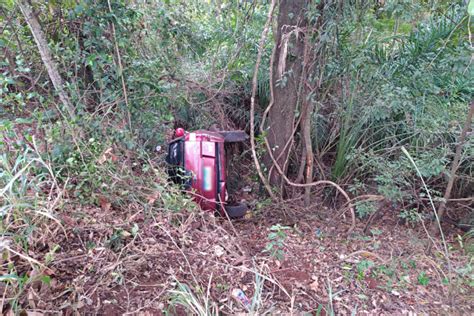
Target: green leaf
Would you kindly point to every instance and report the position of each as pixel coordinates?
(470, 8)
(46, 279)
(423, 279)
(79, 9)
(272, 236)
(269, 247)
(134, 230)
(9, 4)
(23, 121)
(8, 277)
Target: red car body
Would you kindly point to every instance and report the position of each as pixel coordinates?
(197, 161)
(201, 157)
(205, 158)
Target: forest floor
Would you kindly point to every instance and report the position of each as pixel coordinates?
(116, 262)
(130, 260)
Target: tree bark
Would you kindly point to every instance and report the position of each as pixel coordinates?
(287, 71)
(46, 57)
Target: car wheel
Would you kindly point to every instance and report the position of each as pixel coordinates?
(236, 210)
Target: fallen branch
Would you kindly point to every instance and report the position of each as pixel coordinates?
(364, 253)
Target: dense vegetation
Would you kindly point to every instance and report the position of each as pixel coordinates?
(379, 94)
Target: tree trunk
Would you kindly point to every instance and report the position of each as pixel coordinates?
(287, 71)
(46, 57)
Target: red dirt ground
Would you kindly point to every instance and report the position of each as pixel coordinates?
(115, 262)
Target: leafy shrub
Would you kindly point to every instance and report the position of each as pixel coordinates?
(406, 86)
(365, 208)
(410, 215)
(276, 241)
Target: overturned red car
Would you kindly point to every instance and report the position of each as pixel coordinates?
(197, 161)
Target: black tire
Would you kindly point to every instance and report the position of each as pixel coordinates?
(236, 210)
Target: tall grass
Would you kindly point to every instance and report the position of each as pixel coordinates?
(29, 195)
(184, 297)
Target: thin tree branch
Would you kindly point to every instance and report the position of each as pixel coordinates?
(119, 61)
(455, 165)
(46, 56)
(252, 100)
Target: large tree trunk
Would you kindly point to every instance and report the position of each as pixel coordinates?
(286, 79)
(46, 57)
